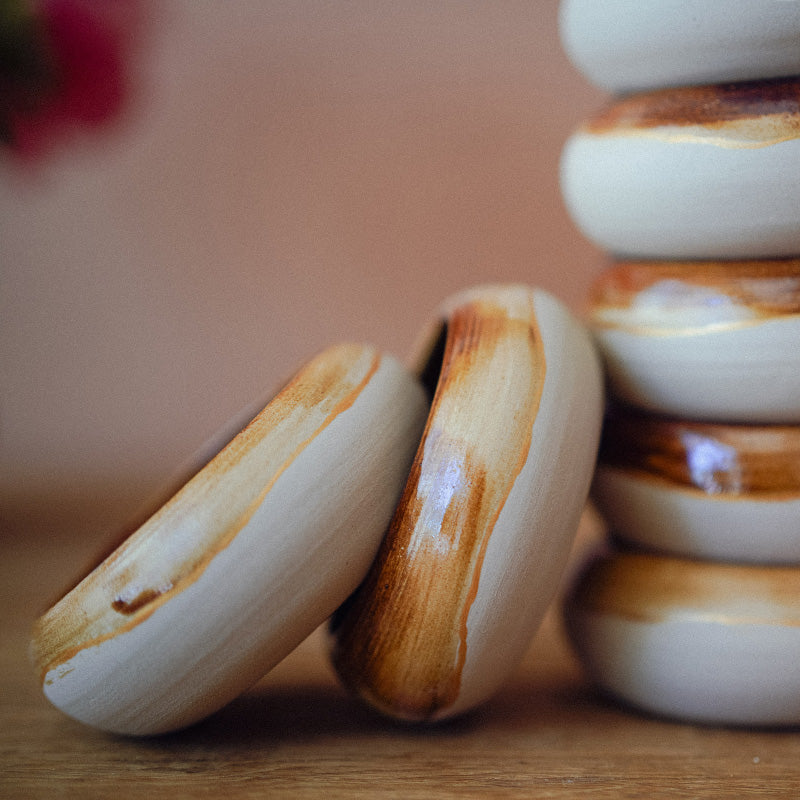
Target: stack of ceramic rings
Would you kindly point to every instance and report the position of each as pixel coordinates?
(690, 179)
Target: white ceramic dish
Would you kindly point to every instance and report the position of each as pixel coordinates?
(246, 560)
(692, 640)
(722, 492)
(702, 340)
(630, 45)
(699, 172)
(480, 539)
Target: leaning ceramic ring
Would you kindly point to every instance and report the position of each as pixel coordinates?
(703, 340)
(693, 640)
(253, 553)
(724, 492)
(626, 45)
(481, 534)
(696, 172)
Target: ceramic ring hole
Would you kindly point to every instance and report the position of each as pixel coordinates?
(430, 368)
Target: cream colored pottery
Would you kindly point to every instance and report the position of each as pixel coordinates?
(693, 640)
(691, 173)
(481, 535)
(631, 45)
(245, 561)
(724, 492)
(702, 340)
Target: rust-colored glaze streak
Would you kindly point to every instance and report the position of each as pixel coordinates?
(401, 641)
(708, 106)
(648, 588)
(64, 631)
(768, 288)
(537, 351)
(715, 458)
(142, 599)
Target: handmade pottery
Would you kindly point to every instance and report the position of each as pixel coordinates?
(724, 492)
(629, 45)
(694, 640)
(481, 535)
(690, 173)
(703, 340)
(253, 553)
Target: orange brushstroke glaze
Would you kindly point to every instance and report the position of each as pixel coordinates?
(647, 588)
(401, 640)
(715, 458)
(769, 287)
(708, 106)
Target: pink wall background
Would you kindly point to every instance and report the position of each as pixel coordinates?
(286, 175)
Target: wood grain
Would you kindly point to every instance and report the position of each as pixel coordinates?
(298, 735)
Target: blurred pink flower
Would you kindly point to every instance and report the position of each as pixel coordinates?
(62, 66)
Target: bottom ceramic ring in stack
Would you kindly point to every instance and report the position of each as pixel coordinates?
(702, 641)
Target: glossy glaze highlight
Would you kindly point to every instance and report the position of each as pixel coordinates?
(729, 493)
(715, 459)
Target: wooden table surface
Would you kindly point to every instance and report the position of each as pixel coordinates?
(297, 734)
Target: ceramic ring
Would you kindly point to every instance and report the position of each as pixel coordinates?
(702, 340)
(696, 641)
(628, 46)
(253, 553)
(691, 173)
(482, 532)
(701, 490)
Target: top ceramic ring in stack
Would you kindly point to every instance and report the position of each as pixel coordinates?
(626, 46)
